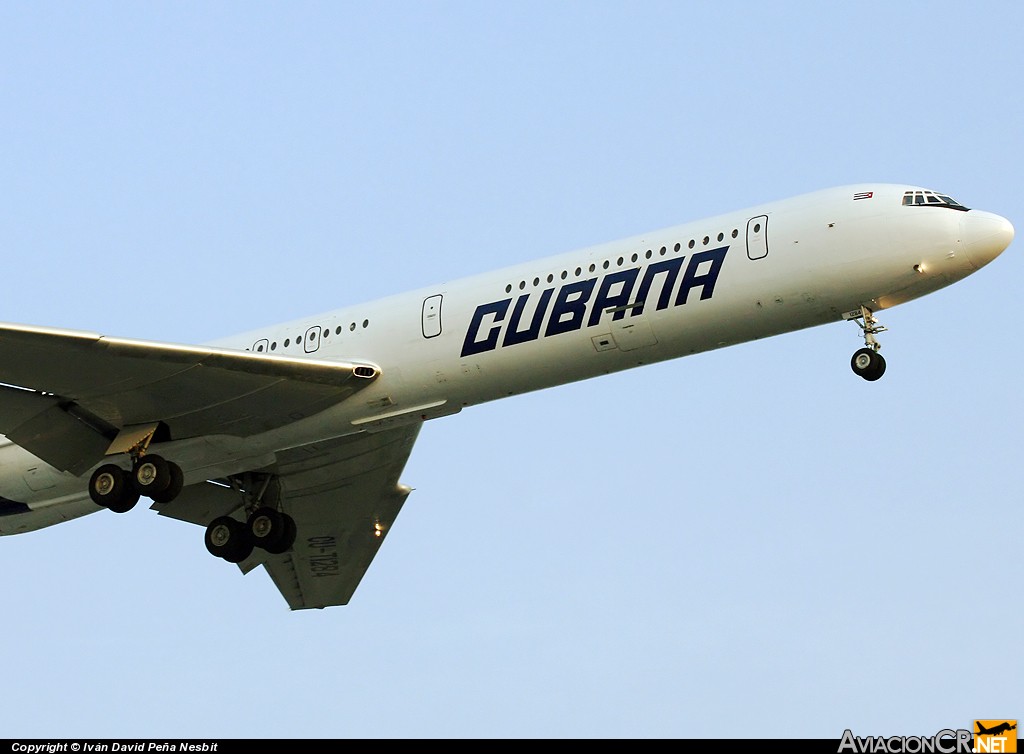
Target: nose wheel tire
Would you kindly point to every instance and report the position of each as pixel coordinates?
(868, 363)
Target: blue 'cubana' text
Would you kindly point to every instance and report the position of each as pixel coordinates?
(577, 305)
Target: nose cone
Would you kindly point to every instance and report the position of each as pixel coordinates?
(984, 236)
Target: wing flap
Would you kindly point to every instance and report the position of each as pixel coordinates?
(33, 420)
(344, 496)
(331, 555)
(100, 383)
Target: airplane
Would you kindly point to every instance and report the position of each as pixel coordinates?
(995, 730)
(287, 442)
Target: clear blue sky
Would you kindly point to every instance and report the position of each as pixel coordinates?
(752, 541)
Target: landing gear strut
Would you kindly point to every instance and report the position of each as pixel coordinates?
(867, 362)
(265, 527)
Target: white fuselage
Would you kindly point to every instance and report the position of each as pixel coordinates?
(703, 285)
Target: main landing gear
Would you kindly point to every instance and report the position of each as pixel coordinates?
(151, 476)
(161, 480)
(265, 526)
(867, 362)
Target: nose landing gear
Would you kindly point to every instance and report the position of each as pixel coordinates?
(867, 362)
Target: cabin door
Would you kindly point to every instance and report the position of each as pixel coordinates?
(432, 316)
(757, 237)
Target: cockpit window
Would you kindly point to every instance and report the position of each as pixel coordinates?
(931, 198)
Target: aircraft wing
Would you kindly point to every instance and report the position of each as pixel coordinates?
(65, 395)
(344, 496)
